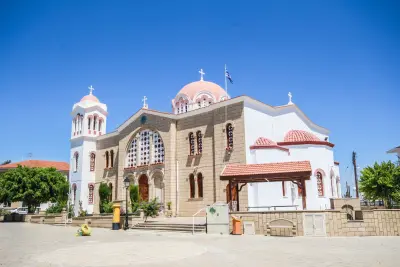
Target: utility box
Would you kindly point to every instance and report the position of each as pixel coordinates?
(218, 219)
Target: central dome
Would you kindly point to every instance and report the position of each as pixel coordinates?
(191, 90)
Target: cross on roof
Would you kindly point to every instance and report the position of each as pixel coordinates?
(144, 102)
(91, 88)
(290, 99)
(202, 73)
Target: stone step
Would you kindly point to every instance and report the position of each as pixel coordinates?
(169, 229)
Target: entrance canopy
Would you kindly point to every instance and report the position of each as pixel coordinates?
(295, 171)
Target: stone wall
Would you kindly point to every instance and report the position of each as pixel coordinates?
(103, 221)
(375, 222)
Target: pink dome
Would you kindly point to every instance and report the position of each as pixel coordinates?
(265, 143)
(300, 136)
(262, 141)
(90, 97)
(192, 89)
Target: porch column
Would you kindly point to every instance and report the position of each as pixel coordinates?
(304, 193)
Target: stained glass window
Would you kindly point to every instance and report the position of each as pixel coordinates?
(91, 191)
(158, 149)
(92, 161)
(191, 143)
(320, 184)
(229, 135)
(199, 142)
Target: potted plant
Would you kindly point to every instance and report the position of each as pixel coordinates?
(168, 213)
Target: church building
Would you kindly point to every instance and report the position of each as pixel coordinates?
(209, 148)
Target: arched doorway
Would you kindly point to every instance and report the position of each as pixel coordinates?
(144, 187)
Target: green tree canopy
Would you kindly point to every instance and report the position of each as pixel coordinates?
(33, 186)
(381, 181)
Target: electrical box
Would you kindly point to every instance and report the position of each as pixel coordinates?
(218, 219)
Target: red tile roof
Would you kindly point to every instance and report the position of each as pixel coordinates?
(59, 165)
(289, 168)
(299, 137)
(265, 143)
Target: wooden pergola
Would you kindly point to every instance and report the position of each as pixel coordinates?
(239, 175)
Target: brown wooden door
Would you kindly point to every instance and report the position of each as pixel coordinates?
(144, 188)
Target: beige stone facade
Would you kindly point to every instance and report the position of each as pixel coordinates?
(174, 172)
(377, 222)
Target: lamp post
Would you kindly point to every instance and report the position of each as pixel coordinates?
(126, 184)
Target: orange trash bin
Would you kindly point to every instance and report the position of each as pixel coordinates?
(236, 226)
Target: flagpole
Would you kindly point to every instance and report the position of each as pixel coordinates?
(226, 83)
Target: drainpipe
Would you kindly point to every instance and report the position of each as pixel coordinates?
(177, 188)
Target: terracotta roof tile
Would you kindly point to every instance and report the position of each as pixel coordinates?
(59, 165)
(265, 143)
(266, 168)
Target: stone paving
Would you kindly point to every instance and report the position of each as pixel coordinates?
(24, 244)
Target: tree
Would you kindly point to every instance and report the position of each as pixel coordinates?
(104, 194)
(33, 186)
(6, 162)
(134, 196)
(381, 181)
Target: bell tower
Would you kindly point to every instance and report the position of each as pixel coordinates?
(89, 118)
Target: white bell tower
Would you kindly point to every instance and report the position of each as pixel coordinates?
(89, 118)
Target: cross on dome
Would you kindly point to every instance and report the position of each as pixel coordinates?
(202, 73)
(91, 88)
(144, 102)
(290, 99)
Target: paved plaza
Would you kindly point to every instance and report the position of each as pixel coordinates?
(24, 244)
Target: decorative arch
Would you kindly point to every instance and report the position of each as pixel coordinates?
(201, 94)
(95, 118)
(145, 147)
(321, 171)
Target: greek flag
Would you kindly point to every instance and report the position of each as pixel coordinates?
(228, 76)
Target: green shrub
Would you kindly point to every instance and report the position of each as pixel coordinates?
(4, 212)
(150, 208)
(134, 193)
(56, 208)
(104, 194)
(107, 207)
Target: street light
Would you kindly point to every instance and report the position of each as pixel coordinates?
(127, 182)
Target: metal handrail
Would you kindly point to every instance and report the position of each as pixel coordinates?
(199, 212)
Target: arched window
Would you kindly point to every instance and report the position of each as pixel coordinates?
(200, 184)
(112, 158)
(107, 159)
(91, 191)
(94, 122)
(92, 161)
(320, 184)
(158, 152)
(186, 107)
(192, 186)
(191, 144)
(199, 142)
(111, 188)
(283, 189)
(144, 147)
(73, 193)
(89, 122)
(76, 160)
(100, 124)
(229, 136)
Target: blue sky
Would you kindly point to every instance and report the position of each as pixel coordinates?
(340, 60)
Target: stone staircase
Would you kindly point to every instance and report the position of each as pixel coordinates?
(170, 227)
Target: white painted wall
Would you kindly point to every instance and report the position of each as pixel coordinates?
(261, 123)
(85, 144)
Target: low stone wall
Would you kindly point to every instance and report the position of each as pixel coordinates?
(375, 222)
(103, 221)
(56, 218)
